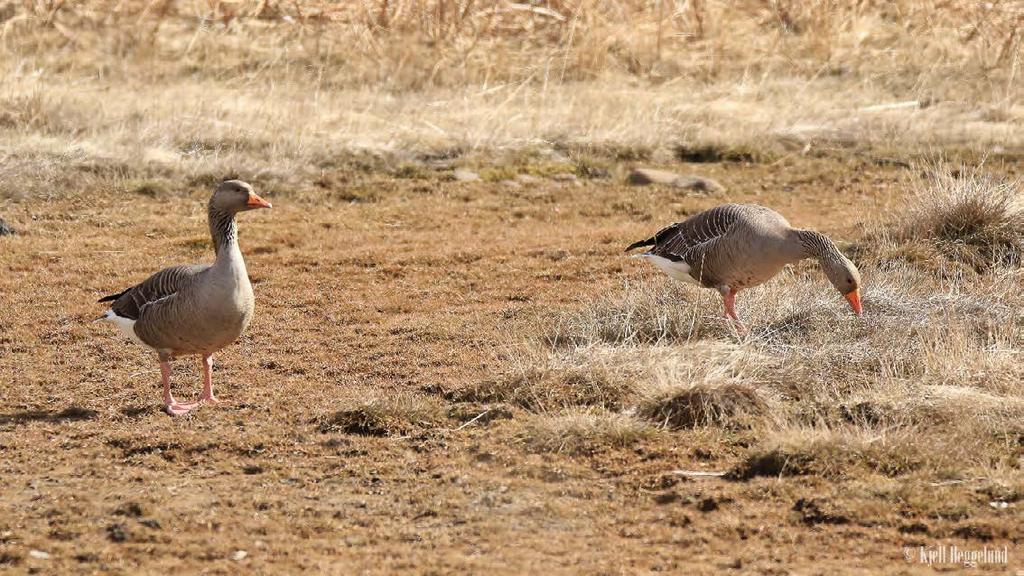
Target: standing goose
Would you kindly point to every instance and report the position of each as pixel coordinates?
(737, 246)
(197, 309)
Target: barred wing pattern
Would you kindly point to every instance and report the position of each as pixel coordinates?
(130, 303)
(689, 240)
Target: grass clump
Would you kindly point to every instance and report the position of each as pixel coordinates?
(357, 193)
(704, 404)
(590, 168)
(645, 313)
(583, 431)
(384, 416)
(961, 220)
(711, 153)
(832, 454)
(151, 188)
(414, 171)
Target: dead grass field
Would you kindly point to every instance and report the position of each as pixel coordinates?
(452, 377)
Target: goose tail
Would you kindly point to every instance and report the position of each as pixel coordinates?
(112, 297)
(641, 244)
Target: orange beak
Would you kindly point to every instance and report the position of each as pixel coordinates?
(854, 299)
(257, 202)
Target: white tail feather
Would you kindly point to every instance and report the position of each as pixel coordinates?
(126, 325)
(677, 270)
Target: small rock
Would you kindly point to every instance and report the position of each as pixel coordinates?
(645, 176)
(465, 176)
(5, 228)
(564, 177)
(239, 555)
(39, 554)
(698, 184)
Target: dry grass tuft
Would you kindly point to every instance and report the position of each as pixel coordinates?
(855, 451)
(704, 153)
(644, 312)
(728, 404)
(961, 219)
(392, 415)
(583, 431)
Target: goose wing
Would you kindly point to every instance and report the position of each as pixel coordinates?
(165, 283)
(691, 237)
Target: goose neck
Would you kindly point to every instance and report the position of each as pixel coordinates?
(816, 245)
(223, 231)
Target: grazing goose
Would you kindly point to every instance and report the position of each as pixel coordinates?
(197, 309)
(738, 246)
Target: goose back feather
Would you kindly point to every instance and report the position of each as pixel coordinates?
(129, 304)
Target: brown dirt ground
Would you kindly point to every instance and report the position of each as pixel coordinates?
(419, 291)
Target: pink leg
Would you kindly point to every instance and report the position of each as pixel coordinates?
(729, 299)
(208, 381)
(172, 406)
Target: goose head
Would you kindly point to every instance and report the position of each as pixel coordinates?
(233, 196)
(846, 278)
